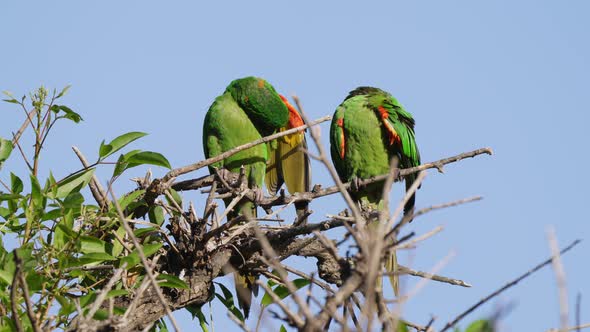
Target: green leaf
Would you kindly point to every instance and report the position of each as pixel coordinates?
(402, 327)
(148, 157)
(122, 163)
(139, 233)
(118, 143)
(63, 232)
(5, 150)
(36, 196)
(16, 184)
(9, 95)
(117, 246)
(73, 201)
(176, 197)
(7, 268)
(482, 325)
(117, 292)
(51, 215)
(282, 329)
(75, 182)
(133, 258)
(138, 157)
(156, 215)
(196, 311)
(66, 305)
(64, 91)
(9, 197)
(127, 199)
(68, 113)
(90, 244)
(228, 301)
(171, 281)
(94, 258)
(282, 291)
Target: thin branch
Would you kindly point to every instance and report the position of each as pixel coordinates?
(432, 276)
(236, 320)
(309, 196)
(95, 187)
(292, 316)
(144, 261)
(578, 310)
(505, 287)
(193, 167)
(102, 294)
(14, 294)
(560, 277)
(275, 263)
(572, 328)
(412, 243)
(23, 127)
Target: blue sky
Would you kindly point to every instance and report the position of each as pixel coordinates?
(512, 75)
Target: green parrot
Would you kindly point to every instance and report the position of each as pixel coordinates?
(368, 129)
(248, 110)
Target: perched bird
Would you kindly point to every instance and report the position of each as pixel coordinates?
(368, 130)
(248, 110)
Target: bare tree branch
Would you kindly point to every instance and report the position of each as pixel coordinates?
(505, 287)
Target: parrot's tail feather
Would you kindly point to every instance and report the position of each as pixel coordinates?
(244, 290)
(391, 266)
(409, 207)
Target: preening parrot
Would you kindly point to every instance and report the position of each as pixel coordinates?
(250, 109)
(369, 128)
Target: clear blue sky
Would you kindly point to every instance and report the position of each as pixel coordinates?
(512, 75)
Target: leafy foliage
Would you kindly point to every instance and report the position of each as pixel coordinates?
(65, 245)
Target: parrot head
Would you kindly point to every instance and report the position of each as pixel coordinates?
(261, 102)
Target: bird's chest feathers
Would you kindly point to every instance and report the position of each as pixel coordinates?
(365, 144)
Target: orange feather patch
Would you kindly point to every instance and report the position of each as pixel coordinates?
(340, 123)
(295, 119)
(393, 136)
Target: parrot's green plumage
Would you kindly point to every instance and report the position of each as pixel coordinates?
(368, 129)
(248, 110)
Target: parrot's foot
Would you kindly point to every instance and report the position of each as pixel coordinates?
(356, 184)
(258, 195)
(226, 176)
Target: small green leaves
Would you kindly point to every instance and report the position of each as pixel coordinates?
(11, 98)
(16, 184)
(156, 215)
(5, 150)
(133, 258)
(118, 143)
(482, 325)
(131, 197)
(95, 258)
(402, 327)
(228, 301)
(75, 182)
(64, 91)
(90, 244)
(36, 196)
(282, 291)
(196, 311)
(138, 157)
(68, 113)
(171, 281)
